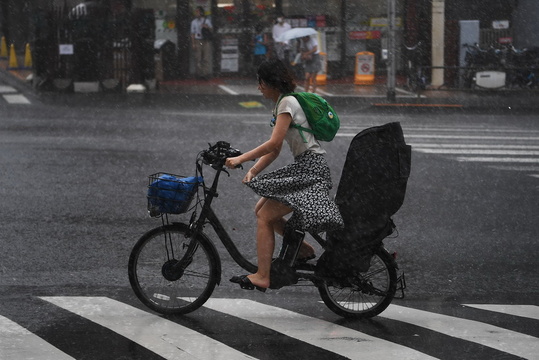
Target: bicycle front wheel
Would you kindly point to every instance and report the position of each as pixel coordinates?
(366, 294)
(167, 279)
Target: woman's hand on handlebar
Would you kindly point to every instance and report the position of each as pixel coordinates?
(233, 162)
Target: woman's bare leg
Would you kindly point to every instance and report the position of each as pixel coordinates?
(307, 81)
(270, 213)
(305, 250)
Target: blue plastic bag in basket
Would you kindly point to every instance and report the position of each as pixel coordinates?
(172, 195)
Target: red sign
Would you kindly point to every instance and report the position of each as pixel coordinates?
(505, 40)
(364, 35)
(365, 68)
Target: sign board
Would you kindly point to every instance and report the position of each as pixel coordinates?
(505, 40)
(365, 64)
(66, 49)
(500, 24)
(384, 21)
(230, 55)
(364, 35)
(364, 72)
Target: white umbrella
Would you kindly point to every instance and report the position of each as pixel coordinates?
(298, 32)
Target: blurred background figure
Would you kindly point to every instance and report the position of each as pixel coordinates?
(282, 48)
(201, 30)
(310, 58)
(261, 43)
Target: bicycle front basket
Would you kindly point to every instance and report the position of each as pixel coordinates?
(171, 194)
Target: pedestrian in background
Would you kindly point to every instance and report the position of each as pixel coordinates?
(201, 31)
(261, 43)
(310, 58)
(281, 48)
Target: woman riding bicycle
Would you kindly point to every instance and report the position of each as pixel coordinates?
(301, 187)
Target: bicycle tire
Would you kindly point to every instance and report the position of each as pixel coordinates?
(364, 295)
(150, 263)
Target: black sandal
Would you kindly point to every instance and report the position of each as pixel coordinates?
(245, 283)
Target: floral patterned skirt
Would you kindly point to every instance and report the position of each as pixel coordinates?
(303, 186)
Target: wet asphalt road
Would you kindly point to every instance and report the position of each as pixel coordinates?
(74, 173)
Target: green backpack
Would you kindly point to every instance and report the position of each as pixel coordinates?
(322, 118)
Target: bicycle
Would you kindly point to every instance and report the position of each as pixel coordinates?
(174, 268)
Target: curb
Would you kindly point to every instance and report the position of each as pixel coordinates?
(491, 100)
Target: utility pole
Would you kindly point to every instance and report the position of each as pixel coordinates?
(391, 63)
(183, 29)
(438, 26)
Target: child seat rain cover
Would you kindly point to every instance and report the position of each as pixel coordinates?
(371, 189)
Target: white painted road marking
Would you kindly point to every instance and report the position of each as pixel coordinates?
(500, 159)
(163, 337)
(7, 89)
(508, 341)
(478, 152)
(16, 99)
(527, 311)
(173, 341)
(17, 342)
(326, 335)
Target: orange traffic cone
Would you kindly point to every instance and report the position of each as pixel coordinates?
(13, 63)
(27, 57)
(3, 48)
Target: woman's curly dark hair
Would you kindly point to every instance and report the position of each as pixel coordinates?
(276, 74)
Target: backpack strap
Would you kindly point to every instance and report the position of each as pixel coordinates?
(300, 128)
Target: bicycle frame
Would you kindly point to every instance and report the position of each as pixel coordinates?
(283, 271)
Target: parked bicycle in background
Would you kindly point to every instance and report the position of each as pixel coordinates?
(496, 68)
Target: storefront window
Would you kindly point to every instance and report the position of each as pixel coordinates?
(231, 13)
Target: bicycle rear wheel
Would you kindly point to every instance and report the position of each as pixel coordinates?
(364, 295)
(164, 278)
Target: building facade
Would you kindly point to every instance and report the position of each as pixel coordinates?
(346, 27)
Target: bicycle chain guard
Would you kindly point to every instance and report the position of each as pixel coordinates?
(282, 275)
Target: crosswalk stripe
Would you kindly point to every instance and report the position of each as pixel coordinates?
(17, 342)
(228, 90)
(417, 146)
(515, 167)
(462, 129)
(173, 341)
(164, 337)
(498, 159)
(505, 340)
(478, 152)
(527, 311)
(16, 99)
(335, 338)
(462, 137)
(7, 89)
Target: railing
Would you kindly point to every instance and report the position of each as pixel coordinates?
(99, 48)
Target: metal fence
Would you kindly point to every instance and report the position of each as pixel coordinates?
(92, 45)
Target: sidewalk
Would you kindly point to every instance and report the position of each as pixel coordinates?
(338, 90)
(19, 74)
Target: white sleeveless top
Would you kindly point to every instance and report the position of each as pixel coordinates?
(290, 105)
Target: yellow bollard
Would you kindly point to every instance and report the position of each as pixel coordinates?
(3, 48)
(27, 57)
(322, 77)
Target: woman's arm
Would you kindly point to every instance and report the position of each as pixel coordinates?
(268, 151)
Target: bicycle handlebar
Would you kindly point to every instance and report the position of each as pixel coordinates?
(216, 155)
